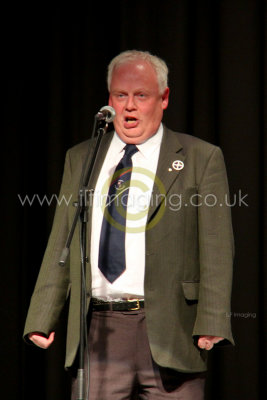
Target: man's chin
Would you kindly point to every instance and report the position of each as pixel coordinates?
(131, 136)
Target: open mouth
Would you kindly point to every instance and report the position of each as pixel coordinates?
(130, 120)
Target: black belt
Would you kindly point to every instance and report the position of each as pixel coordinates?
(125, 305)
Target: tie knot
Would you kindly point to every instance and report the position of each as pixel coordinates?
(130, 150)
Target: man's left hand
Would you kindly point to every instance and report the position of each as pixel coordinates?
(207, 342)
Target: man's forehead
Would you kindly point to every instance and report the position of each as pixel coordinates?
(134, 76)
(136, 65)
(134, 73)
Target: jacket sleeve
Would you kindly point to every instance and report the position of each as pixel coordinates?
(215, 251)
(52, 285)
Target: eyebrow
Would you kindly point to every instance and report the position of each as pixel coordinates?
(139, 90)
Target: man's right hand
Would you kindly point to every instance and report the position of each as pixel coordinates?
(41, 341)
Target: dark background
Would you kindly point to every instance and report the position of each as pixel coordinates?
(54, 57)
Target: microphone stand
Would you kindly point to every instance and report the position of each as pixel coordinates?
(82, 214)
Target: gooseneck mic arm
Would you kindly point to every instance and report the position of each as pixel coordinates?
(106, 114)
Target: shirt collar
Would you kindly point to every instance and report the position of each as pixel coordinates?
(150, 145)
(146, 149)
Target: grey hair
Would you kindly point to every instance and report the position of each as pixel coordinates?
(129, 56)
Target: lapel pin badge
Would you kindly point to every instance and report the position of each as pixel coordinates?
(177, 165)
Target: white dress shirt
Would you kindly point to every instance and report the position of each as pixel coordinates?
(130, 284)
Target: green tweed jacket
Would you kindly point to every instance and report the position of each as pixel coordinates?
(189, 254)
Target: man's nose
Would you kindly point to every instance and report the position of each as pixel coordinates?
(130, 105)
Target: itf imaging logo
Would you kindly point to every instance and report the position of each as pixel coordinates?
(137, 200)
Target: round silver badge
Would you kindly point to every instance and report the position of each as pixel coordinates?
(177, 165)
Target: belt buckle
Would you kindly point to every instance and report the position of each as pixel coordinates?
(134, 308)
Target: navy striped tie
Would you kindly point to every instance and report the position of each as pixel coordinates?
(111, 260)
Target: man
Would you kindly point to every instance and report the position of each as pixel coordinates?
(160, 281)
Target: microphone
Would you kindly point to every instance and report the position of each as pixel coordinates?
(106, 113)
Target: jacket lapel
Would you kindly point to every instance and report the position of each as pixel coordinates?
(104, 145)
(167, 173)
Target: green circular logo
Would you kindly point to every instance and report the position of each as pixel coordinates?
(157, 200)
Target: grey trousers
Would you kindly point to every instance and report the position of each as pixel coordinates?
(121, 366)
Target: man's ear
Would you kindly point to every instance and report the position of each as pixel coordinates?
(165, 98)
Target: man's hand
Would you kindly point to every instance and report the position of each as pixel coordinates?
(207, 342)
(40, 340)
